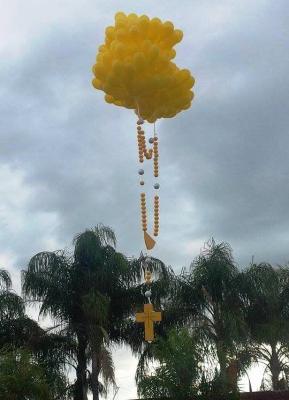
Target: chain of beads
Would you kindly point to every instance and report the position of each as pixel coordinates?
(156, 215)
(142, 148)
(148, 154)
(143, 211)
(140, 138)
(156, 157)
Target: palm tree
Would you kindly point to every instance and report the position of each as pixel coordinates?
(210, 297)
(74, 290)
(268, 319)
(177, 374)
(24, 347)
(92, 294)
(11, 305)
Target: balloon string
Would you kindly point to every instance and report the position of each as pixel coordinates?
(137, 106)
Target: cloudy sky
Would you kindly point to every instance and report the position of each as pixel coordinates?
(68, 160)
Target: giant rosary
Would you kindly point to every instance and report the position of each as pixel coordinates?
(134, 69)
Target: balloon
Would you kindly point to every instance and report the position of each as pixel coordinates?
(134, 67)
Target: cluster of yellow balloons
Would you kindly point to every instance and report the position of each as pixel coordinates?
(134, 68)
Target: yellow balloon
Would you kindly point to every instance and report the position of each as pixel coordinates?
(134, 67)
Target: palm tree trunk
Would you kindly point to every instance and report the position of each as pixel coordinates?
(221, 354)
(95, 370)
(80, 388)
(275, 368)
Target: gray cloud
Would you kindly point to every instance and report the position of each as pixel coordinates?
(68, 160)
(225, 159)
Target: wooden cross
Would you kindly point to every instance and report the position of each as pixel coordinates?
(148, 317)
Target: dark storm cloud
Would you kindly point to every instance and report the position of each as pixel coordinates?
(80, 164)
(233, 144)
(224, 163)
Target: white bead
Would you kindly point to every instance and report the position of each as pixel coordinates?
(141, 171)
(156, 185)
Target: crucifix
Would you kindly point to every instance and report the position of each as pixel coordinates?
(148, 317)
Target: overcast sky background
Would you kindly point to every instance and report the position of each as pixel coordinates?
(68, 160)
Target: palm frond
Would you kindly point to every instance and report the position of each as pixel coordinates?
(107, 367)
(11, 306)
(5, 280)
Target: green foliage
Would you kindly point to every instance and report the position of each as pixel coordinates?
(216, 390)
(267, 290)
(216, 322)
(210, 296)
(27, 349)
(178, 370)
(92, 295)
(22, 378)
